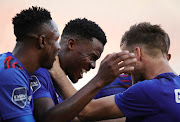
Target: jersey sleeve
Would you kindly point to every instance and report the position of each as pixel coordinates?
(135, 101)
(41, 87)
(15, 94)
(119, 85)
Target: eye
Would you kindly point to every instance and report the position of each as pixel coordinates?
(94, 57)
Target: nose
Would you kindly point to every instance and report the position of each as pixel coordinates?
(93, 64)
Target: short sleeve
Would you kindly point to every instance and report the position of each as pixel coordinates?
(119, 85)
(135, 101)
(41, 87)
(15, 94)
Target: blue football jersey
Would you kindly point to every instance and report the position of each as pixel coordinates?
(119, 85)
(155, 100)
(43, 86)
(15, 89)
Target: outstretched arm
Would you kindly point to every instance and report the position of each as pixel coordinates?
(101, 109)
(109, 69)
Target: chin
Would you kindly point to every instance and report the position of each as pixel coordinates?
(73, 80)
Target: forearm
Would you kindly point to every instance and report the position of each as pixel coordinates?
(109, 70)
(72, 106)
(123, 119)
(64, 86)
(100, 109)
(61, 82)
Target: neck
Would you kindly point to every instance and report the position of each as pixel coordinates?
(61, 60)
(156, 67)
(27, 56)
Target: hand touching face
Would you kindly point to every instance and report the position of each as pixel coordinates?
(115, 64)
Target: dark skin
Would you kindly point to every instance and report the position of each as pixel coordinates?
(78, 54)
(34, 45)
(24, 51)
(107, 73)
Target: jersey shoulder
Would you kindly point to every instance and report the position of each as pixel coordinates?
(7, 61)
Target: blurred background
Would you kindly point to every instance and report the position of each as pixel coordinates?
(113, 16)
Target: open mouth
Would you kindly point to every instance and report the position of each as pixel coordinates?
(83, 71)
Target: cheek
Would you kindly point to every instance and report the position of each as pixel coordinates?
(52, 51)
(57, 46)
(54, 47)
(79, 62)
(85, 60)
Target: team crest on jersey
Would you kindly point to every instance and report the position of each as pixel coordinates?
(19, 96)
(35, 83)
(177, 95)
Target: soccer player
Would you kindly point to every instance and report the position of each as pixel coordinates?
(82, 43)
(123, 82)
(36, 46)
(155, 93)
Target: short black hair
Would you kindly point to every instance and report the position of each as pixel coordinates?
(29, 20)
(152, 36)
(85, 29)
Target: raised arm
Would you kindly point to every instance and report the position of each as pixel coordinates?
(60, 80)
(109, 69)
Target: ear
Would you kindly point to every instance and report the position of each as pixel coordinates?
(71, 44)
(138, 53)
(168, 57)
(42, 41)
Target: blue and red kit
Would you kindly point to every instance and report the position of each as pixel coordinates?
(15, 90)
(43, 86)
(119, 85)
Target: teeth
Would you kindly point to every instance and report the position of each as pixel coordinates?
(84, 71)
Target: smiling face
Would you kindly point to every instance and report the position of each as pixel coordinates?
(80, 57)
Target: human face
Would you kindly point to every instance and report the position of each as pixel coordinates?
(138, 72)
(52, 46)
(82, 58)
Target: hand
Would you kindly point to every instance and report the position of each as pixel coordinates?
(113, 65)
(109, 55)
(56, 71)
(60, 80)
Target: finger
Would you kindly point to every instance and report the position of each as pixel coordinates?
(126, 65)
(118, 55)
(123, 58)
(56, 62)
(126, 70)
(109, 55)
(128, 61)
(57, 58)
